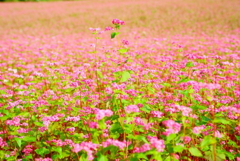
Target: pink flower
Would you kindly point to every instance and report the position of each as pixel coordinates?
(198, 129)
(218, 134)
(117, 143)
(156, 114)
(117, 22)
(27, 150)
(22, 130)
(158, 144)
(86, 146)
(102, 113)
(125, 42)
(186, 139)
(43, 159)
(71, 129)
(42, 129)
(2, 143)
(93, 125)
(175, 156)
(132, 108)
(173, 127)
(145, 147)
(94, 29)
(109, 28)
(74, 119)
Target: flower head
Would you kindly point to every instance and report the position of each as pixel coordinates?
(117, 22)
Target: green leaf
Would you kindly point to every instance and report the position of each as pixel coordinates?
(125, 76)
(229, 155)
(114, 34)
(42, 151)
(99, 74)
(207, 141)
(189, 64)
(134, 159)
(128, 128)
(186, 79)
(122, 51)
(198, 107)
(221, 155)
(55, 157)
(141, 155)
(221, 120)
(171, 137)
(195, 152)
(59, 150)
(102, 158)
(2, 154)
(237, 137)
(146, 108)
(6, 112)
(166, 85)
(29, 139)
(38, 123)
(19, 141)
(178, 149)
(28, 157)
(83, 157)
(167, 159)
(204, 120)
(116, 127)
(102, 124)
(141, 138)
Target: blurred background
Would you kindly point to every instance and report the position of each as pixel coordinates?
(151, 17)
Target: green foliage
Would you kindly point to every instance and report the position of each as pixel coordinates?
(122, 51)
(42, 151)
(195, 152)
(114, 34)
(125, 76)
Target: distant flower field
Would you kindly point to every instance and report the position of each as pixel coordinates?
(120, 81)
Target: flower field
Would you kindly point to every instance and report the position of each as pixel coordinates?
(120, 81)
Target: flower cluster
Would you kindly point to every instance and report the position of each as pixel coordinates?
(103, 113)
(132, 108)
(173, 127)
(117, 22)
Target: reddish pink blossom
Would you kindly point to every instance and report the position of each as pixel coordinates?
(117, 22)
(132, 108)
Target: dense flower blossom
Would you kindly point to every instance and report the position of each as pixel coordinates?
(28, 149)
(145, 147)
(157, 114)
(186, 139)
(89, 147)
(94, 29)
(125, 42)
(109, 28)
(43, 159)
(2, 143)
(22, 130)
(14, 122)
(198, 129)
(70, 91)
(117, 143)
(218, 134)
(74, 119)
(71, 129)
(156, 143)
(117, 22)
(132, 108)
(93, 125)
(103, 113)
(173, 127)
